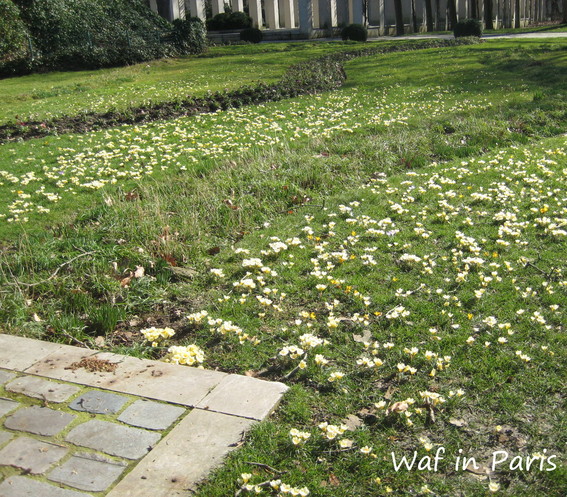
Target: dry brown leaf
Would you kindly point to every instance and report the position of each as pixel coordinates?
(333, 480)
(390, 392)
(457, 422)
(398, 407)
(364, 338)
(125, 281)
(352, 422)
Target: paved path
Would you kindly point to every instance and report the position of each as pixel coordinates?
(81, 423)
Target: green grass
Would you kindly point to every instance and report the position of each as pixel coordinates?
(44, 96)
(427, 183)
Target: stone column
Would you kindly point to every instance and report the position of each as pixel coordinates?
(272, 10)
(237, 5)
(315, 13)
(197, 8)
(217, 6)
(287, 8)
(306, 16)
(174, 10)
(255, 12)
(153, 6)
(355, 14)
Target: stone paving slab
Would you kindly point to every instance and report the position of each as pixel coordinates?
(86, 474)
(207, 413)
(39, 420)
(42, 389)
(186, 455)
(244, 396)
(97, 402)
(19, 353)
(20, 486)
(7, 405)
(150, 379)
(33, 456)
(4, 437)
(151, 415)
(113, 439)
(5, 376)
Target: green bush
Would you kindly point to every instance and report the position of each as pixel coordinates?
(253, 35)
(355, 32)
(227, 21)
(468, 27)
(13, 33)
(77, 34)
(190, 35)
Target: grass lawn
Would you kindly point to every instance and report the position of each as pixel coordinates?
(394, 251)
(44, 96)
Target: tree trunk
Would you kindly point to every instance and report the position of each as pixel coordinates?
(452, 7)
(474, 9)
(517, 14)
(429, 15)
(488, 24)
(564, 16)
(399, 17)
(413, 17)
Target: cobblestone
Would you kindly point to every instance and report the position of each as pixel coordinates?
(86, 474)
(42, 389)
(7, 406)
(5, 376)
(98, 402)
(31, 455)
(113, 439)
(151, 415)
(109, 446)
(39, 420)
(20, 486)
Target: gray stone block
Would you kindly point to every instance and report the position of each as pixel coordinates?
(31, 455)
(86, 473)
(5, 376)
(20, 486)
(39, 388)
(39, 420)
(244, 396)
(19, 353)
(4, 437)
(114, 439)
(7, 405)
(186, 455)
(97, 402)
(151, 415)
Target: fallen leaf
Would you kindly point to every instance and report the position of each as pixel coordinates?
(36, 318)
(125, 281)
(364, 338)
(390, 392)
(140, 271)
(333, 480)
(352, 422)
(99, 341)
(398, 407)
(457, 422)
(230, 205)
(213, 250)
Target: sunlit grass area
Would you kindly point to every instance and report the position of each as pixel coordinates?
(394, 251)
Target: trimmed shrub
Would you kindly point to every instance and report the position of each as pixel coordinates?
(468, 27)
(354, 32)
(13, 33)
(253, 35)
(229, 21)
(190, 35)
